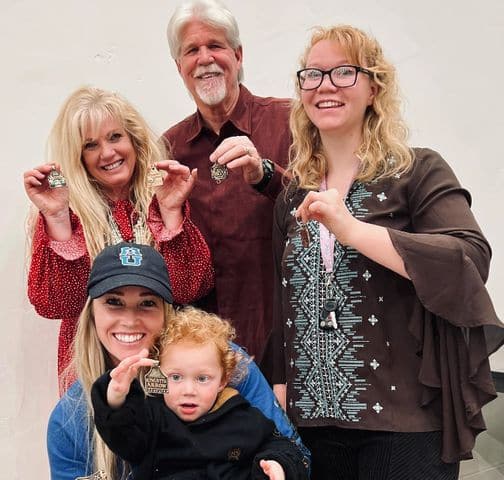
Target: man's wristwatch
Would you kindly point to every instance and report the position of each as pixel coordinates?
(268, 171)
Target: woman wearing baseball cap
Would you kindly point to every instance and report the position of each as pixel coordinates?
(129, 303)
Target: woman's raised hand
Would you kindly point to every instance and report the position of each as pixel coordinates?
(52, 202)
(329, 208)
(177, 185)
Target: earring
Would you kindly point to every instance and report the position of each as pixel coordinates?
(155, 381)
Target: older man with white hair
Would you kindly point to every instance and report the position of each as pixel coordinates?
(239, 144)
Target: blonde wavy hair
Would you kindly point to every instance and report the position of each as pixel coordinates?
(199, 327)
(90, 361)
(384, 150)
(84, 110)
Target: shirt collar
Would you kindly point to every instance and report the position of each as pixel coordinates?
(240, 117)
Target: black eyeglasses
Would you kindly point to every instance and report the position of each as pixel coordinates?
(341, 76)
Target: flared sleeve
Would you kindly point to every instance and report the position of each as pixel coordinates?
(447, 258)
(186, 254)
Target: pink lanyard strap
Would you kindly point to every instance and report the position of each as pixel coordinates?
(327, 240)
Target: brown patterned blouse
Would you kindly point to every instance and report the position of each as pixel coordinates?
(406, 356)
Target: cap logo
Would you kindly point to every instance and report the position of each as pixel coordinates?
(130, 256)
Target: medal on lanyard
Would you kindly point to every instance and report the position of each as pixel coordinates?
(330, 307)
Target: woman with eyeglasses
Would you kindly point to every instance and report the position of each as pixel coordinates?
(380, 299)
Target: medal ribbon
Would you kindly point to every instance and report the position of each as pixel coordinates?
(327, 240)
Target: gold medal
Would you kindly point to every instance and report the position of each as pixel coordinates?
(218, 172)
(154, 177)
(155, 381)
(56, 179)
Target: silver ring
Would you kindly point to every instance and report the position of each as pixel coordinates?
(247, 150)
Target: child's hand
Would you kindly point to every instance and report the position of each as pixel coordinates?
(272, 469)
(122, 376)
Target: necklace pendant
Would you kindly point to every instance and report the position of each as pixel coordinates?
(154, 177)
(56, 179)
(218, 172)
(156, 382)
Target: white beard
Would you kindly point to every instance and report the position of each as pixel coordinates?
(213, 91)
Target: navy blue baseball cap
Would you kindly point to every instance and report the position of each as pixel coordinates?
(129, 264)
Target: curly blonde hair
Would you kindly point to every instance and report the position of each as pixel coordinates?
(85, 109)
(199, 327)
(384, 150)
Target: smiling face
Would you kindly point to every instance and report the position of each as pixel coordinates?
(128, 319)
(333, 109)
(109, 157)
(195, 378)
(209, 65)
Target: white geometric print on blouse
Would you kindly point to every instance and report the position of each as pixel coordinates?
(387, 343)
(328, 355)
(374, 364)
(366, 275)
(381, 196)
(284, 282)
(393, 388)
(289, 322)
(380, 299)
(372, 320)
(397, 175)
(377, 407)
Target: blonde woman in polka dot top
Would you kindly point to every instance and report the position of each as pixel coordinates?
(105, 151)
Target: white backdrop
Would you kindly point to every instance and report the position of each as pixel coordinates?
(449, 58)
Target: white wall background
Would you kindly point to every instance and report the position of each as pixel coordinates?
(449, 58)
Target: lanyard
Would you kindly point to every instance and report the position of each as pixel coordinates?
(328, 317)
(327, 241)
